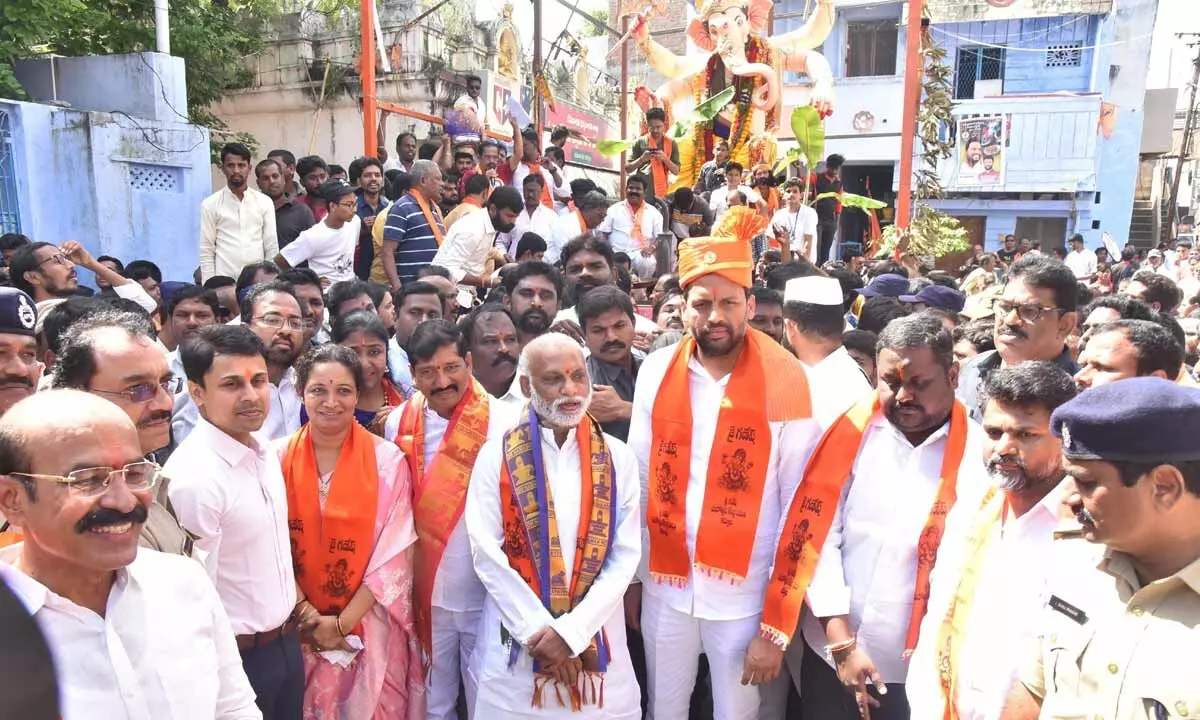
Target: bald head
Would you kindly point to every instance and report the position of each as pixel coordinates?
(56, 411)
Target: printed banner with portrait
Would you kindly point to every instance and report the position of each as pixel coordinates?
(980, 150)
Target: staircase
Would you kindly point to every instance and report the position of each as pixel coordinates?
(1142, 224)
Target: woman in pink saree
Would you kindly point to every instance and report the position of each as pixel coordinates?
(347, 488)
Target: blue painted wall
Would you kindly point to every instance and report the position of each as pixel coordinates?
(1025, 68)
(122, 187)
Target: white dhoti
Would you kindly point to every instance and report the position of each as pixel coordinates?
(505, 693)
(453, 635)
(674, 642)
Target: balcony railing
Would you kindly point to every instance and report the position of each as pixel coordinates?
(1024, 143)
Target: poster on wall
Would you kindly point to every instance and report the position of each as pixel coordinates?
(980, 151)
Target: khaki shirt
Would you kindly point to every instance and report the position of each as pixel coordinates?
(1111, 649)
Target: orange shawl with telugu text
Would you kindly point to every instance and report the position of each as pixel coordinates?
(812, 511)
(736, 476)
(332, 545)
(439, 491)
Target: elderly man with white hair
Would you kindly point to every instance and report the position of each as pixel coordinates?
(553, 518)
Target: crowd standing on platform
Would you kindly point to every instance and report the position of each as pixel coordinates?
(459, 435)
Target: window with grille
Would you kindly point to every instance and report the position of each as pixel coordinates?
(976, 64)
(1068, 55)
(871, 48)
(154, 178)
(10, 218)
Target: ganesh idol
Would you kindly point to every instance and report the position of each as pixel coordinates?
(738, 53)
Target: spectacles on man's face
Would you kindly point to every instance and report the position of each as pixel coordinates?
(277, 322)
(145, 392)
(90, 482)
(351, 205)
(56, 258)
(1028, 312)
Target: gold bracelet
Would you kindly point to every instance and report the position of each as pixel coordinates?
(337, 621)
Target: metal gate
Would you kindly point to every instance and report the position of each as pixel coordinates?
(10, 209)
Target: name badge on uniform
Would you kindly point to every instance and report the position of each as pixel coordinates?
(1062, 606)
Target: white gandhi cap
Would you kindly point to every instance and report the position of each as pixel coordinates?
(813, 290)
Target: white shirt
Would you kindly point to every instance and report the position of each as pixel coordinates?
(618, 226)
(557, 190)
(283, 413)
(163, 650)
(1082, 263)
(134, 291)
(175, 363)
(328, 251)
(513, 604)
(236, 233)
(799, 224)
(455, 587)
(464, 251)
(541, 222)
(705, 597)
(393, 163)
(719, 200)
(1002, 621)
(868, 565)
(233, 498)
(834, 384)
(567, 227)
(513, 400)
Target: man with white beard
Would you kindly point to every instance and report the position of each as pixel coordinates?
(992, 568)
(552, 515)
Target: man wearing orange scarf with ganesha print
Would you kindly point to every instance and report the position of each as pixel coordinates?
(863, 532)
(722, 428)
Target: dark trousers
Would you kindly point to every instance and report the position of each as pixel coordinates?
(826, 229)
(276, 672)
(823, 697)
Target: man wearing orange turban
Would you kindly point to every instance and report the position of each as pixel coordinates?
(720, 453)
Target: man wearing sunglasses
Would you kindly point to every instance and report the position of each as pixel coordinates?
(132, 633)
(1034, 315)
(111, 354)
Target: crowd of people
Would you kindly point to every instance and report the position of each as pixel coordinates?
(453, 436)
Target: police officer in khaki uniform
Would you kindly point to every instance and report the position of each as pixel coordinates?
(1118, 639)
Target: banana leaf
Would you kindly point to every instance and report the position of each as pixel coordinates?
(703, 112)
(609, 148)
(793, 155)
(809, 130)
(862, 202)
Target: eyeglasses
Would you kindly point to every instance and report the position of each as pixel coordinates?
(145, 392)
(1028, 312)
(89, 482)
(278, 321)
(353, 205)
(56, 258)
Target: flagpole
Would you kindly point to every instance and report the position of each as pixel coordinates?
(913, 76)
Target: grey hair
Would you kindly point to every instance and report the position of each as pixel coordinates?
(422, 168)
(549, 341)
(922, 330)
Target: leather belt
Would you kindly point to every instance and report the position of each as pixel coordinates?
(255, 640)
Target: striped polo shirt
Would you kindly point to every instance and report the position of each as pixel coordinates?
(407, 226)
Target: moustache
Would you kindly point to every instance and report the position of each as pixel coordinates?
(155, 417)
(249, 407)
(504, 358)
(614, 345)
(104, 517)
(1016, 331)
(449, 388)
(15, 380)
(713, 327)
(536, 313)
